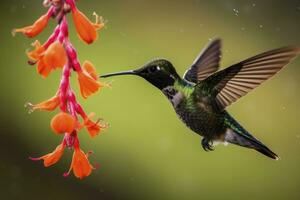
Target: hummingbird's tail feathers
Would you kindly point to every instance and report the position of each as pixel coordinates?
(247, 140)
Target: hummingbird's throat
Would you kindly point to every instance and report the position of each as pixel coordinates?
(174, 96)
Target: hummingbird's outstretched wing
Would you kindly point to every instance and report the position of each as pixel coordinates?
(205, 64)
(230, 84)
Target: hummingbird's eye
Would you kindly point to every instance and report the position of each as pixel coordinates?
(153, 69)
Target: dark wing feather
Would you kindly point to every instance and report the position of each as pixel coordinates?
(205, 64)
(236, 81)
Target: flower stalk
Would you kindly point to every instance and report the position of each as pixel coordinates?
(58, 53)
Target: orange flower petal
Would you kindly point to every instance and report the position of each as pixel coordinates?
(52, 158)
(63, 123)
(33, 30)
(86, 30)
(90, 69)
(43, 69)
(88, 85)
(93, 128)
(55, 56)
(47, 105)
(37, 53)
(80, 164)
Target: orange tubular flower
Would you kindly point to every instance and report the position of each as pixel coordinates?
(80, 164)
(86, 30)
(52, 158)
(48, 59)
(88, 80)
(93, 128)
(88, 85)
(47, 105)
(54, 57)
(63, 123)
(35, 29)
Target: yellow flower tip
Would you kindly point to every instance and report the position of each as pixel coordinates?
(106, 84)
(30, 107)
(38, 51)
(13, 32)
(36, 44)
(17, 30)
(99, 21)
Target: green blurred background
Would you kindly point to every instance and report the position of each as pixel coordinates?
(147, 153)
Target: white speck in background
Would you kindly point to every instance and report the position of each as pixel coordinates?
(236, 12)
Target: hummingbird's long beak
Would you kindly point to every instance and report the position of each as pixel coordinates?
(130, 72)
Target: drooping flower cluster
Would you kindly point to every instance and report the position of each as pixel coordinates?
(58, 53)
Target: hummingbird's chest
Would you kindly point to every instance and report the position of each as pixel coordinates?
(195, 114)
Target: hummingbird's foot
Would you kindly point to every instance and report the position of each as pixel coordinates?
(207, 144)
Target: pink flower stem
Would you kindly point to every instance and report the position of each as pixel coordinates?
(77, 106)
(53, 37)
(51, 11)
(71, 4)
(73, 56)
(64, 31)
(64, 87)
(67, 103)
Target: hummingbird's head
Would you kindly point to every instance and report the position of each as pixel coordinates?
(159, 72)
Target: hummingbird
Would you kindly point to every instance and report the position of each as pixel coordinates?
(201, 97)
